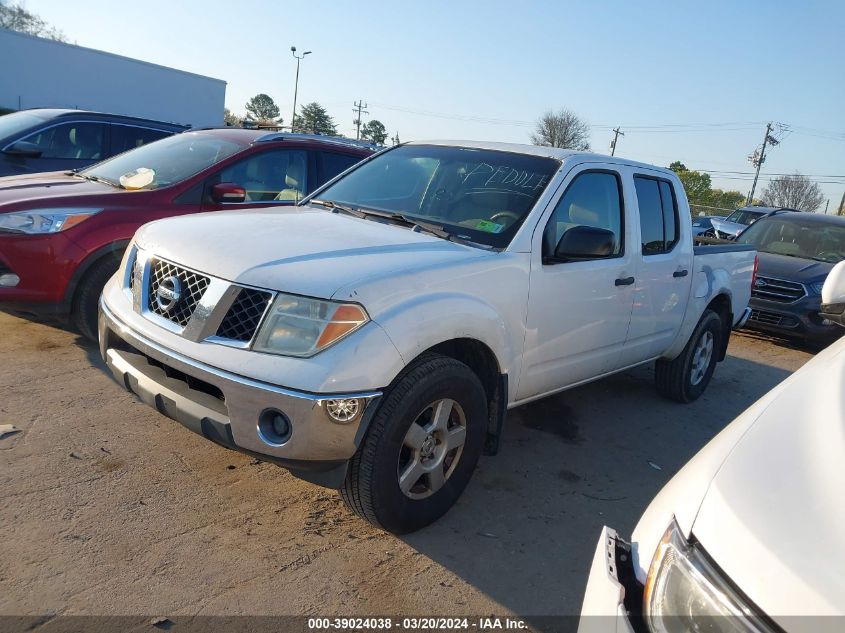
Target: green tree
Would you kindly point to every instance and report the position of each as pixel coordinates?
(263, 110)
(700, 191)
(314, 119)
(15, 18)
(374, 131)
(231, 119)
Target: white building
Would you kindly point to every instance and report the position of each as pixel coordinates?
(41, 73)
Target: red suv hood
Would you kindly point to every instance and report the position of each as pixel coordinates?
(27, 192)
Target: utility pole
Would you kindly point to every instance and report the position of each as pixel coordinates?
(357, 122)
(396, 141)
(616, 135)
(759, 160)
(841, 205)
(299, 58)
(826, 205)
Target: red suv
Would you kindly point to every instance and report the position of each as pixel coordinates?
(62, 234)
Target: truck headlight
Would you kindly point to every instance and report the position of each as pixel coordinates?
(44, 221)
(685, 592)
(302, 326)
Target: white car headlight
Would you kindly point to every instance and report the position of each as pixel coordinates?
(302, 326)
(685, 592)
(43, 221)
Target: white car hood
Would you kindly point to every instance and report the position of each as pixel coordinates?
(304, 251)
(774, 516)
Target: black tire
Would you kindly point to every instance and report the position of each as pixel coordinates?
(84, 310)
(674, 378)
(372, 488)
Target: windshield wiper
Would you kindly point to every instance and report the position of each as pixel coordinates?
(336, 208)
(105, 181)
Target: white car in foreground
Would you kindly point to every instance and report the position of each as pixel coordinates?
(748, 535)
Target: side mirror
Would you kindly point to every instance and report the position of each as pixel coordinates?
(227, 193)
(23, 148)
(833, 295)
(585, 242)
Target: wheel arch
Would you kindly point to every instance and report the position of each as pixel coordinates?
(721, 304)
(113, 249)
(481, 359)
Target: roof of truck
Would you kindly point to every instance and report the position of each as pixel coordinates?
(540, 150)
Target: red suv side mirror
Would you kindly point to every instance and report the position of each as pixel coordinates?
(227, 192)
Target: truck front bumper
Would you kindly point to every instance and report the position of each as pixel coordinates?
(235, 411)
(613, 596)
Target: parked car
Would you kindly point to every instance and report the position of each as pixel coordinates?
(797, 251)
(62, 234)
(373, 341)
(728, 228)
(702, 224)
(50, 140)
(745, 536)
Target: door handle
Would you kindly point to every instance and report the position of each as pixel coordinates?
(680, 273)
(625, 281)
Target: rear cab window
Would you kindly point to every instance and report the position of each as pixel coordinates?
(659, 222)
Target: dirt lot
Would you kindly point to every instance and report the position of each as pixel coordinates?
(109, 508)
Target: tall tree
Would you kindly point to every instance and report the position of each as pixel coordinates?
(314, 119)
(374, 131)
(563, 129)
(231, 119)
(794, 192)
(15, 18)
(262, 109)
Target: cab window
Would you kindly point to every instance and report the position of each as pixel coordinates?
(592, 199)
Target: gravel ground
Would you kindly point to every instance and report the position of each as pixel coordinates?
(109, 508)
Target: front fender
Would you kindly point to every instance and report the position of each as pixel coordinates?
(426, 320)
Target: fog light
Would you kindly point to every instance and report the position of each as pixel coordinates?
(343, 410)
(9, 280)
(274, 427)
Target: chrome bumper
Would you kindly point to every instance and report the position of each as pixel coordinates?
(225, 407)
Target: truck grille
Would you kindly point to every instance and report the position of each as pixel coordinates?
(242, 319)
(191, 288)
(779, 290)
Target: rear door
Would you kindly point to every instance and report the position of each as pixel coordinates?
(664, 273)
(330, 164)
(578, 311)
(126, 137)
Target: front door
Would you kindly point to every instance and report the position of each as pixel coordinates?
(578, 309)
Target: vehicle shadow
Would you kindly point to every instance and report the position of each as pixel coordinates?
(525, 531)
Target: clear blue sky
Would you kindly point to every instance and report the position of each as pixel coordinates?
(487, 69)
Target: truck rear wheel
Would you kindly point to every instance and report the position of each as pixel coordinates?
(421, 448)
(686, 377)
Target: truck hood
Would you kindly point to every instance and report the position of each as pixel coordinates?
(305, 251)
(792, 268)
(32, 191)
(773, 516)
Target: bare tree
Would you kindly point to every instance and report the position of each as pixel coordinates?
(793, 192)
(563, 129)
(15, 18)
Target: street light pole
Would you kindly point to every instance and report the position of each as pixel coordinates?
(296, 83)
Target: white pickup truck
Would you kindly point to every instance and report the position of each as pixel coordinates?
(373, 339)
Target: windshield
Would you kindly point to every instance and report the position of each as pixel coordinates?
(744, 217)
(477, 195)
(172, 159)
(11, 124)
(797, 238)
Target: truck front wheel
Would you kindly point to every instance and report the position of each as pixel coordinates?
(421, 448)
(686, 377)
